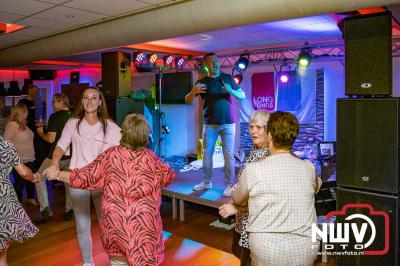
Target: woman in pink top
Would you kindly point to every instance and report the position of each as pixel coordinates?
(131, 177)
(90, 132)
(21, 136)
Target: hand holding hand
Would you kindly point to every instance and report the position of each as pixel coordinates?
(227, 210)
(51, 173)
(36, 177)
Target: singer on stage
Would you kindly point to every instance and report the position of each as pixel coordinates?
(216, 91)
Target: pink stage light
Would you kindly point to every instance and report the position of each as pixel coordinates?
(284, 78)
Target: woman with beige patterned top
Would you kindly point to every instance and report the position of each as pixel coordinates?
(279, 191)
(258, 133)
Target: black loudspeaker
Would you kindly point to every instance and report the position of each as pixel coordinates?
(42, 74)
(116, 74)
(383, 241)
(368, 144)
(119, 107)
(368, 45)
(2, 89)
(74, 77)
(13, 90)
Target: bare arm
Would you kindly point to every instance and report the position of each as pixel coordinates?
(57, 155)
(238, 94)
(25, 172)
(50, 137)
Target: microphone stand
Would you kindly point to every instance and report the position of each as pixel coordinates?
(160, 114)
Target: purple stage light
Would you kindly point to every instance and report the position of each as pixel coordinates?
(284, 78)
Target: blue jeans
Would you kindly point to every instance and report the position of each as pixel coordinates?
(210, 135)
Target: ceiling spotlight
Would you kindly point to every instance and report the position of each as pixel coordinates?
(168, 59)
(242, 64)
(238, 78)
(152, 58)
(304, 57)
(179, 61)
(138, 57)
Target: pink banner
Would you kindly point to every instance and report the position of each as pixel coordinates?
(263, 91)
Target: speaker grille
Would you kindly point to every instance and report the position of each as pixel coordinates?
(368, 45)
(368, 144)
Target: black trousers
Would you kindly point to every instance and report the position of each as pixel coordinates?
(20, 184)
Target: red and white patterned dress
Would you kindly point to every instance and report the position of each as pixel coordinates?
(131, 182)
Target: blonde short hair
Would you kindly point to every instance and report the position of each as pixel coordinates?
(135, 132)
(260, 115)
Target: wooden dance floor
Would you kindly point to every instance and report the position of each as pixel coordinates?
(56, 245)
(181, 191)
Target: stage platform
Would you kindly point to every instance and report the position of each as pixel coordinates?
(181, 191)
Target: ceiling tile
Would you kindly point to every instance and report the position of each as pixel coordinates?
(112, 8)
(29, 33)
(45, 23)
(69, 15)
(23, 7)
(9, 18)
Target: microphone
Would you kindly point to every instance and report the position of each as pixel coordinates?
(221, 82)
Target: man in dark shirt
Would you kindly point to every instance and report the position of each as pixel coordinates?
(55, 127)
(216, 91)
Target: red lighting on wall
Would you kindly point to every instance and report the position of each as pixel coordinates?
(66, 63)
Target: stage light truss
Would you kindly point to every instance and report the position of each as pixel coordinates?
(322, 52)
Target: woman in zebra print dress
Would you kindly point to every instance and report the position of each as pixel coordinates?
(131, 177)
(15, 224)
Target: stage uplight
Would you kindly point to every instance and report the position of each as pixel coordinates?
(168, 59)
(242, 64)
(152, 58)
(138, 57)
(238, 78)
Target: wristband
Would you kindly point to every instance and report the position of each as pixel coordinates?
(58, 175)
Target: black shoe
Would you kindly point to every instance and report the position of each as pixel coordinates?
(69, 215)
(44, 215)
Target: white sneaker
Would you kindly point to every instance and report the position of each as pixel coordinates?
(227, 191)
(202, 186)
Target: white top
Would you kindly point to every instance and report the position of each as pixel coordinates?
(280, 193)
(89, 142)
